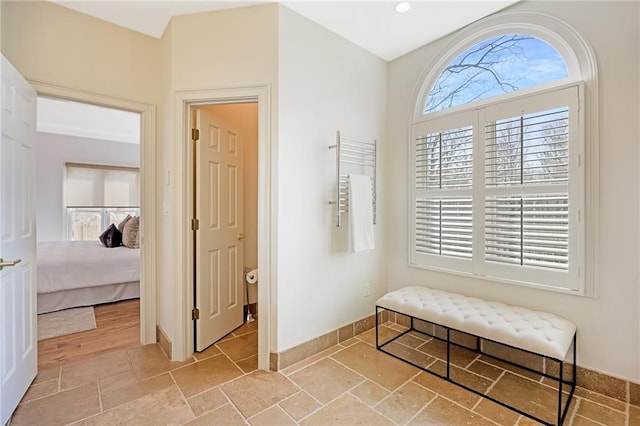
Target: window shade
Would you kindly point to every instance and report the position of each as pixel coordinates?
(101, 186)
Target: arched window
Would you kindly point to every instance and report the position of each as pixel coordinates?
(495, 66)
(498, 149)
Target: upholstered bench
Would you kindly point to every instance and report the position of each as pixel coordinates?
(538, 333)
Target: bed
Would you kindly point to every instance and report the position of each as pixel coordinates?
(84, 273)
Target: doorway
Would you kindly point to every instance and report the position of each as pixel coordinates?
(147, 290)
(184, 160)
(225, 195)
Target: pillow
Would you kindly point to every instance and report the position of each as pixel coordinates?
(130, 233)
(121, 224)
(111, 237)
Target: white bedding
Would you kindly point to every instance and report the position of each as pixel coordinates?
(66, 265)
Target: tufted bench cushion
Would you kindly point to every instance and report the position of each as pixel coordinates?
(534, 331)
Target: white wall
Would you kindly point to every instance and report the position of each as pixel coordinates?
(232, 48)
(608, 334)
(53, 151)
(325, 84)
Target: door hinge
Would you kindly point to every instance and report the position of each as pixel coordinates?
(195, 134)
(195, 314)
(195, 224)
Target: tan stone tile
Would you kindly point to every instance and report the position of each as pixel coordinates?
(424, 327)
(375, 365)
(308, 361)
(39, 390)
(583, 421)
(448, 390)
(602, 383)
(207, 401)
(417, 357)
(600, 399)
(634, 416)
(532, 397)
(223, 416)
(345, 333)
(246, 328)
(207, 353)
(149, 360)
(345, 410)
(272, 416)
(369, 392)
(203, 375)
(89, 370)
(512, 368)
(385, 334)
(310, 348)
(403, 320)
(364, 324)
(326, 379)
(526, 421)
(412, 339)
(486, 370)
(166, 407)
(60, 408)
(443, 412)
(274, 361)
(257, 391)
(299, 405)
(462, 376)
(496, 412)
(249, 364)
(634, 393)
(47, 374)
(240, 347)
(397, 327)
(600, 413)
(122, 388)
(517, 356)
(405, 402)
(459, 356)
(349, 342)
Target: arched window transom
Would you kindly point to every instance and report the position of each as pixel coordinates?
(495, 66)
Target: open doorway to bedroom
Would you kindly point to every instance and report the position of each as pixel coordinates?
(88, 222)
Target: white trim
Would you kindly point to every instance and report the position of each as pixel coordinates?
(581, 64)
(147, 192)
(183, 156)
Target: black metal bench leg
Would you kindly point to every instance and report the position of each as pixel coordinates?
(448, 353)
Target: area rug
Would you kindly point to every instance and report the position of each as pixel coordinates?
(68, 321)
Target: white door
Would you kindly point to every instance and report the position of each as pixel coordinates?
(18, 341)
(219, 238)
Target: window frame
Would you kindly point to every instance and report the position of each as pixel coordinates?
(582, 69)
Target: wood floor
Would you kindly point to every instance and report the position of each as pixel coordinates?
(117, 326)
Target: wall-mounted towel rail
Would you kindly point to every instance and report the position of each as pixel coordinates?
(353, 156)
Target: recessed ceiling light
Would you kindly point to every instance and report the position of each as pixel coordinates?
(402, 6)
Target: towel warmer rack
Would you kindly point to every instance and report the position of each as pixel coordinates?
(353, 156)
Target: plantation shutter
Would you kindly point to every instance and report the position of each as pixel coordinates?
(443, 185)
(527, 158)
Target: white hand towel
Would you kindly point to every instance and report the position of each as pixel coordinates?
(360, 213)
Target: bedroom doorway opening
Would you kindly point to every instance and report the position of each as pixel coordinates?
(90, 195)
(225, 163)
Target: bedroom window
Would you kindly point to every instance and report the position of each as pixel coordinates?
(497, 166)
(96, 196)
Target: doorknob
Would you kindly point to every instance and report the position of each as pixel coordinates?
(240, 236)
(9, 263)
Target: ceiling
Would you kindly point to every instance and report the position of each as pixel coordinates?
(372, 25)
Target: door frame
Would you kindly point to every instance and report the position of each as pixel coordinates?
(183, 191)
(147, 113)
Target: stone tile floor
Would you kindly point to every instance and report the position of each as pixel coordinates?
(349, 384)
